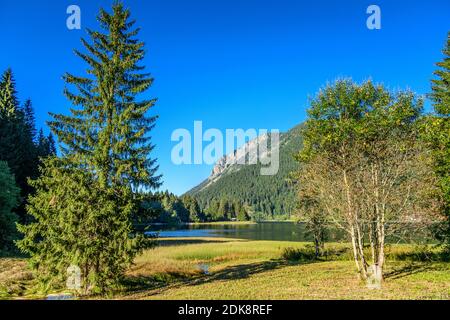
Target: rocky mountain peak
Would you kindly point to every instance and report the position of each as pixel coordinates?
(246, 154)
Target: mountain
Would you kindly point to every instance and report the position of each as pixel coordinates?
(271, 196)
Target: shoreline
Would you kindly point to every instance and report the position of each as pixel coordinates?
(213, 223)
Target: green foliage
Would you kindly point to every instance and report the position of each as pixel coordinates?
(363, 168)
(9, 196)
(45, 145)
(441, 85)
(225, 210)
(8, 96)
(170, 209)
(17, 138)
(109, 133)
(259, 217)
(272, 196)
(213, 211)
(77, 221)
(306, 254)
(346, 113)
(436, 132)
(192, 206)
(14, 141)
(345, 118)
(85, 202)
(241, 212)
(173, 211)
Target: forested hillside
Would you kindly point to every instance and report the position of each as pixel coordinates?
(267, 196)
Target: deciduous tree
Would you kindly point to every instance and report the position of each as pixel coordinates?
(363, 165)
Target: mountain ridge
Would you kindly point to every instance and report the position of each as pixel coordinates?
(268, 195)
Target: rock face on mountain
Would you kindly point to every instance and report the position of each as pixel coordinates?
(246, 154)
(233, 180)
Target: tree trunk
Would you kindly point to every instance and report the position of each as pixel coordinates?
(381, 239)
(317, 246)
(360, 246)
(355, 250)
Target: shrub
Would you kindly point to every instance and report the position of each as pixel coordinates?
(301, 254)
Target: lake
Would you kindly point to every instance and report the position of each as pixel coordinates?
(277, 231)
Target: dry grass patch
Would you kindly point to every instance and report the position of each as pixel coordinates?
(14, 277)
(255, 270)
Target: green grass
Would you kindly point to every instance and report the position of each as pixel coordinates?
(240, 269)
(15, 278)
(256, 270)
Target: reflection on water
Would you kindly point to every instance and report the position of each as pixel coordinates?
(279, 231)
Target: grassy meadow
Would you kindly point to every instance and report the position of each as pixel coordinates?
(218, 268)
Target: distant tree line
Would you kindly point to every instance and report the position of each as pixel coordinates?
(21, 150)
(165, 207)
(269, 197)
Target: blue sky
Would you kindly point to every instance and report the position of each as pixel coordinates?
(230, 63)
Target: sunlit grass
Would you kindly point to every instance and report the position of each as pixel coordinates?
(255, 270)
(14, 277)
(241, 269)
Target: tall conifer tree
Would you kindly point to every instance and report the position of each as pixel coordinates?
(441, 85)
(85, 200)
(9, 198)
(17, 147)
(8, 95)
(109, 132)
(438, 132)
(9, 122)
(51, 145)
(30, 120)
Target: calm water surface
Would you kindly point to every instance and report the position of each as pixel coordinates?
(278, 231)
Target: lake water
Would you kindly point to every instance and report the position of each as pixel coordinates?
(279, 231)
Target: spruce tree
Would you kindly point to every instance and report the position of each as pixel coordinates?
(51, 145)
(84, 201)
(8, 95)
(192, 206)
(77, 222)
(27, 150)
(213, 210)
(109, 132)
(441, 85)
(10, 119)
(437, 133)
(17, 147)
(241, 212)
(9, 198)
(42, 145)
(30, 120)
(45, 145)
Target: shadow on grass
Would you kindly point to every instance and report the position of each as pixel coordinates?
(412, 268)
(308, 254)
(137, 284)
(241, 271)
(421, 254)
(409, 263)
(148, 286)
